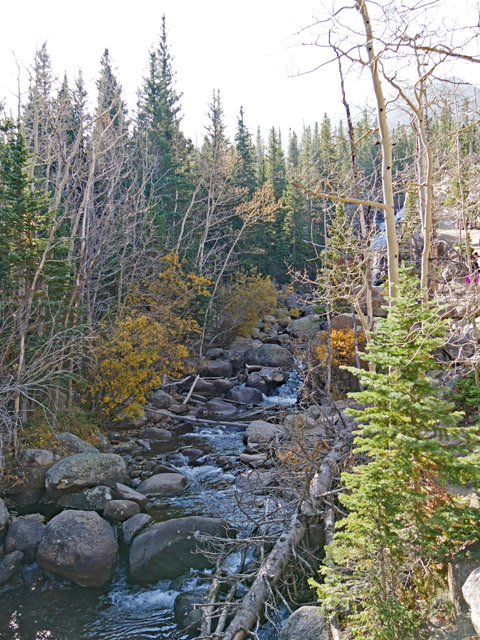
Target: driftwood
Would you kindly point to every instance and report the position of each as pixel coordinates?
(193, 420)
(271, 570)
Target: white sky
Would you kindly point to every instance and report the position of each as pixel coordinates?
(246, 49)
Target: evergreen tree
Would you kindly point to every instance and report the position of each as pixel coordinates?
(275, 170)
(162, 149)
(260, 153)
(403, 520)
(246, 177)
(293, 151)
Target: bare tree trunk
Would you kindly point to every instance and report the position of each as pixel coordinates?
(386, 144)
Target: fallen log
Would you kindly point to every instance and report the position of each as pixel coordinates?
(251, 608)
(194, 420)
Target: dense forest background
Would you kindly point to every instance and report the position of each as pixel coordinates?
(119, 239)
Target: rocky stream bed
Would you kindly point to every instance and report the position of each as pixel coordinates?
(119, 541)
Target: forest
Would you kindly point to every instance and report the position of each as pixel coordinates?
(128, 254)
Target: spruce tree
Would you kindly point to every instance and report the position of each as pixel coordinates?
(162, 149)
(404, 522)
(246, 177)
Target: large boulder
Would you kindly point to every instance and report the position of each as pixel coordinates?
(273, 377)
(24, 534)
(305, 328)
(459, 569)
(345, 321)
(80, 546)
(133, 526)
(38, 457)
(218, 409)
(187, 615)
(120, 510)
(306, 623)
(73, 444)
(471, 593)
(164, 485)
(162, 400)
(168, 549)
(205, 388)
(4, 517)
(9, 565)
(84, 470)
(218, 369)
(263, 432)
(269, 355)
(245, 395)
(127, 493)
(255, 381)
(155, 434)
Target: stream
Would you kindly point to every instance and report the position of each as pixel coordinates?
(124, 610)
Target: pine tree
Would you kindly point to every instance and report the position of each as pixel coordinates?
(161, 146)
(275, 163)
(246, 177)
(403, 522)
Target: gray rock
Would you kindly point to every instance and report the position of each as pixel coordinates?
(306, 623)
(126, 493)
(254, 480)
(134, 525)
(345, 321)
(4, 516)
(218, 409)
(74, 444)
(273, 377)
(214, 353)
(187, 616)
(192, 453)
(218, 368)
(164, 484)
(73, 501)
(24, 534)
(205, 387)
(84, 470)
(462, 565)
(98, 497)
(120, 510)
(169, 548)
(269, 355)
(222, 386)
(263, 432)
(300, 422)
(162, 400)
(471, 593)
(254, 460)
(245, 395)
(38, 457)
(9, 565)
(154, 433)
(80, 546)
(256, 381)
(305, 328)
(179, 409)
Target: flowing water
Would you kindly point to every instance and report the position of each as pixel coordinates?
(123, 610)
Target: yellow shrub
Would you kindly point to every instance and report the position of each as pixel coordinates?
(147, 340)
(342, 342)
(241, 303)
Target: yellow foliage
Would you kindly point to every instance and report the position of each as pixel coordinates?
(147, 340)
(342, 342)
(241, 303)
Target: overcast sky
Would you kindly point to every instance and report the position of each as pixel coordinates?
(249, 50)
